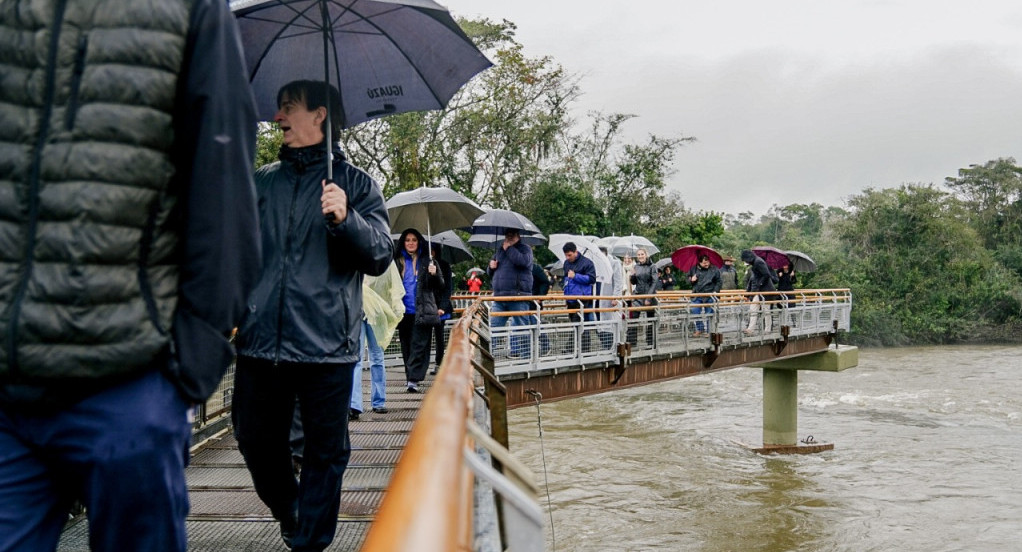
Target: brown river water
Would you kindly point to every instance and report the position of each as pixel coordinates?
(927, 457)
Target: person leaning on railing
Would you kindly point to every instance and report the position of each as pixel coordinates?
(760, 279)
(705, 279)
(510, 272)
(646, 281)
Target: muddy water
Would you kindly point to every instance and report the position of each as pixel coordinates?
(928, 457)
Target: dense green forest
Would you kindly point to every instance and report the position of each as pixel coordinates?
(926, 262)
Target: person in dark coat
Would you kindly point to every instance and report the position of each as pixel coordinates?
(705, 278)
(645, 282)
(129, 245)
(424, 288)
(300, 338)
(760, 279)
(540, 280)
(510, 272)
(443, 304)
(667, 279)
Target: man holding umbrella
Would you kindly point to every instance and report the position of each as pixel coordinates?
(510, 272)
(300, 337)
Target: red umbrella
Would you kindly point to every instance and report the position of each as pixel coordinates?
(687, 257)
(775, 258)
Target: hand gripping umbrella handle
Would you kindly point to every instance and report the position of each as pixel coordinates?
(329, 217)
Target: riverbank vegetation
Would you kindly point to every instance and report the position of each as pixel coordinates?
(927, 263)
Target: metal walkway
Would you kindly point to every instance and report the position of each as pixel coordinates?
(226, 515)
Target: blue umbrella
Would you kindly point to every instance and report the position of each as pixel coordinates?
(383, 56)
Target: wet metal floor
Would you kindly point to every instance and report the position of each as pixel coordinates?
(226, 515)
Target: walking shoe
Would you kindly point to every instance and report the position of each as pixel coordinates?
(380, 409)
(288, 528)
(413, 387)
(353, 414)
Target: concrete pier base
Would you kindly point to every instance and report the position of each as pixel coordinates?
(780, 398)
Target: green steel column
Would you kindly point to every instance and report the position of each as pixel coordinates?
(780, 406)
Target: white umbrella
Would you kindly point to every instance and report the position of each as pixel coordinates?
(432, 210)
(628, 245)
(589, 249)
(607, 242)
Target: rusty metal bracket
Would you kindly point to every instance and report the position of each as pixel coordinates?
(624, 350)
(779, 346)
(716, 339)
(831, 338)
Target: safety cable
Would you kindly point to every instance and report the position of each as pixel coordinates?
(537, 396)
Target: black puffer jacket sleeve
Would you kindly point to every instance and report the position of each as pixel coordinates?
(216, 128)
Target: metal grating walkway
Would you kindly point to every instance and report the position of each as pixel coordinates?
(226, 515)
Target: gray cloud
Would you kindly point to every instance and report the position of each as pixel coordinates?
(776, 128)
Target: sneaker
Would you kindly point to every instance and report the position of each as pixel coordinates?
(353, 414)
(380, 409)
(413, 387)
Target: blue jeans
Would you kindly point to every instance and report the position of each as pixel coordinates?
(121, 451)
(378, 388)
(700, 327)
(519, 342)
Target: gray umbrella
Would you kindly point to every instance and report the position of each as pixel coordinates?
(431, 209)
(384, 56)
(800, 261)
(452, 247)
(662, 263)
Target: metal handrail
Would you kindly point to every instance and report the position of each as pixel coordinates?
(428, 505)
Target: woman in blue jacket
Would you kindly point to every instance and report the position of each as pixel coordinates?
(424, 285)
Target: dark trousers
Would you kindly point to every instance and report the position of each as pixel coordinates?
(633, 331)
(121, 451)
(415, 344)
(441, 343)
(264, 403)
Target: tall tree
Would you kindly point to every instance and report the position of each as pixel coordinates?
(919, 272)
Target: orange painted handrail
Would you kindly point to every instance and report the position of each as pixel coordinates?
(428, 504)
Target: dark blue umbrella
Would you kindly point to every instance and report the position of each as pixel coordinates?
(488, 230)
(384, 56)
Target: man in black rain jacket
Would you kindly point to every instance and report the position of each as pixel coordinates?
(300, 338)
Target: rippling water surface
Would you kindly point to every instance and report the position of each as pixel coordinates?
(928, 457)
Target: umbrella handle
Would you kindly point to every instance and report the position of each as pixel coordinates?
(329, 217)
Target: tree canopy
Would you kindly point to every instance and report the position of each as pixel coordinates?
(926, 264)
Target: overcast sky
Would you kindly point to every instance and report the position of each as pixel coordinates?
(791, 101)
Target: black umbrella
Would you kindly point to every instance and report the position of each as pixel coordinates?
(488, 230)
(384, 56)
(452, 247)
(800, 261)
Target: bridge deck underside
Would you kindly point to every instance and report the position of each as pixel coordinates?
(600, 377)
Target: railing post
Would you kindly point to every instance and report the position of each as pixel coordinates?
(497, 400)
